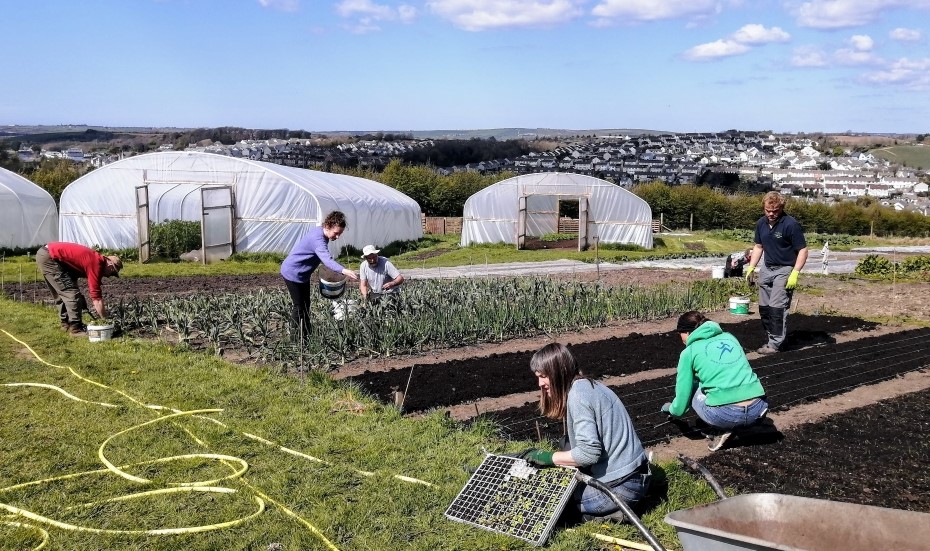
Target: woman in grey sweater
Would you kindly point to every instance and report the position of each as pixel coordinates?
(601, 439)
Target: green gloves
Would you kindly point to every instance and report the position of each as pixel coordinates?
(792, 280)
(751, 275)
(540, 458)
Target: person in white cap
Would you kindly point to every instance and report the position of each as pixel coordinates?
(377, 275)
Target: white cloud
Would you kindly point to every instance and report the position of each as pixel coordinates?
(737, 43)
(838, 14)
(808, 56)
(715, 50)
(862, 42)
(757, 34)
(368, 15)
(281, 5)
(479, 15)
(846, 56)
(907, 35)
(651, 10)
(907, 73)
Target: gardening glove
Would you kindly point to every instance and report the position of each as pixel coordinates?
(792, 280)
(540, 458)
(666, 408)
(751, 275)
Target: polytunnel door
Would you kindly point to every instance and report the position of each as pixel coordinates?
(217, 222)
(142, 224)
(582, 223)
(521, 223)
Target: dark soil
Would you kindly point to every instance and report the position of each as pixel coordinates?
(460, 381)
(789, 378)
(876, 455)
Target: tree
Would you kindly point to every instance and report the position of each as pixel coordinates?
(53, 175)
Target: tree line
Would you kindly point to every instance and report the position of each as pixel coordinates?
(702, 208)
(685, 206)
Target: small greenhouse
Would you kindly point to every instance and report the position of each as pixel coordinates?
(528, 206)
(29, 217)
(243, 205)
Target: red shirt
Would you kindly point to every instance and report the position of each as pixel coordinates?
(83, 261)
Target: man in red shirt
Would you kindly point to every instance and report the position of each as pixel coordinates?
(62, 264)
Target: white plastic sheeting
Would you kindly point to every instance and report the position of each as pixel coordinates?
(275, 205)
(28, 217)
(615, 215)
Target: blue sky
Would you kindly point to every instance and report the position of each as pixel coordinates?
(318, 65)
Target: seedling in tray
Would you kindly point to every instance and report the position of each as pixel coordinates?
(508, 496)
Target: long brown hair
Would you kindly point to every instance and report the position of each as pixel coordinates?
(555, 362)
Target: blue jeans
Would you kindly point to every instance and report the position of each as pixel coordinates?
(592, 501)
(728, 416)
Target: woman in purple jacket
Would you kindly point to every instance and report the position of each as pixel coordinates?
(309, 252)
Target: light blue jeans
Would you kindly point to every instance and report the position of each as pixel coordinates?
(592, 501)
(728, 416)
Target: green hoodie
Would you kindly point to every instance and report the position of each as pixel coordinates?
(715, 360)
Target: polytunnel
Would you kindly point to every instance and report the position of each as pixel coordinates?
(29, 217)
(528, 206)
(257, 206)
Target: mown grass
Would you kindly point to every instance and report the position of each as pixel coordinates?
(44, 435)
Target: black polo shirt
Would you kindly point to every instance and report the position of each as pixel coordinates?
(781, 242)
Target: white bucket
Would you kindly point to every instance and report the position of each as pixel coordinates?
(98, 333)
(739, 306)
(342, 308)
(717, 272)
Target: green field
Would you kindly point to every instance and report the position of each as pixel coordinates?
(911, 156)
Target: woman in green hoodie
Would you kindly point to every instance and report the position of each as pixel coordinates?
(715, 378)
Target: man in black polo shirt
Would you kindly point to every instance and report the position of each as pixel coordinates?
(781, 238)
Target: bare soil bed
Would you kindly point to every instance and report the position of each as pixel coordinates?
(818, 445)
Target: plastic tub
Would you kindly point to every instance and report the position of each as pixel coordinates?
(99, 333)
(791, 523)
(717, 272)
(739, 306)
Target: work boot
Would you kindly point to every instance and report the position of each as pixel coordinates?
(617, 516)
(77, 330)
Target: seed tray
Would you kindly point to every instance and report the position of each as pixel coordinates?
(509, 496)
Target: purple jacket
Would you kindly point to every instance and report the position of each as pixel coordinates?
(307, 255)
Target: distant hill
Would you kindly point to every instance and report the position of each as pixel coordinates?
(502, 133)
(911, 156)
(74, 130)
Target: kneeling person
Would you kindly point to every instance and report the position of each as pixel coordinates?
(715, 378)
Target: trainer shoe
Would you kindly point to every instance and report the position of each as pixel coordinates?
(718, 441)
(617, 516)
(767, 349)
(78, 330)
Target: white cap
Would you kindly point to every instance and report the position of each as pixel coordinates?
(369, 249)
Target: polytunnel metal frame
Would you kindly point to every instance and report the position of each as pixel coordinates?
(217, 200)
(584, 221)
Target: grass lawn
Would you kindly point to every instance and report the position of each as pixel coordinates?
(104, 445)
